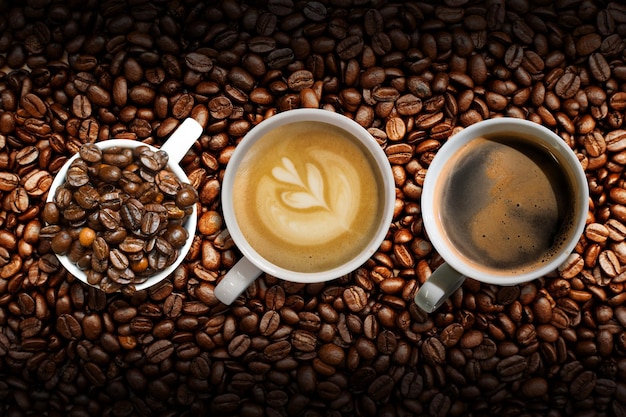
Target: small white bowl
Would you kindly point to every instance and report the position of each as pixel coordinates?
(176, 147)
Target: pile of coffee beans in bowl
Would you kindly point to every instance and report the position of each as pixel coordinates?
(119, 215)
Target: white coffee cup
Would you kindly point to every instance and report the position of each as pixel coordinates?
(448, 277)
(252, 264)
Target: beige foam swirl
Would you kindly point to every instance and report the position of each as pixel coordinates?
(309, 192)
(309, 201)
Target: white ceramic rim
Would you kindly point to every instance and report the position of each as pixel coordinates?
(488, 127)
(190, 224)
(302, 115)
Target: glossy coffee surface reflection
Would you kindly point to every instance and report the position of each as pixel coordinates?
(306, 197)
(505, 204)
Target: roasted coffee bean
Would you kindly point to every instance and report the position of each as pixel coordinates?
(198, 62)
(34, 105)
(355, 298)
(269, 323)
(92, 326)
(277, 350)
(87, 197)
(434, 351)
(303, 341)
(239, 345)
(61, 242)
(8, 181)
(159, 351)
(68, 326)
(451, 335)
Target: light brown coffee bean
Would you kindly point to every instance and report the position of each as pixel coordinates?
(609, 263)
(597, 232)
(395, 128)
(399, 153)
(616, 230)
(355, 298)
(616, 140)
(594, 143)
(8, 181)
(572, 266)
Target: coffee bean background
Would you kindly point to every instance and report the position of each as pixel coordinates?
(413, 73)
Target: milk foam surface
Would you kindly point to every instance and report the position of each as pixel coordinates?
(307, 197)
(295, 200)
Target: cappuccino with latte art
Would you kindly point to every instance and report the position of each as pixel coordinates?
(308, 197)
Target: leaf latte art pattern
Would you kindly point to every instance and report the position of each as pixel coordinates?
(309, 198)
(312, 194)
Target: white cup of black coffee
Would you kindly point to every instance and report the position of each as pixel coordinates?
(504, 202)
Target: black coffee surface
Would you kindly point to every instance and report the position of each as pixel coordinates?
(504, 203)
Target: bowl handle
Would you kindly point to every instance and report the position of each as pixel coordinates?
(182, 140)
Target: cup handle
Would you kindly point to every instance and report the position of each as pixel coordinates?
(236, 281)
(182, 140)
(441, 284)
